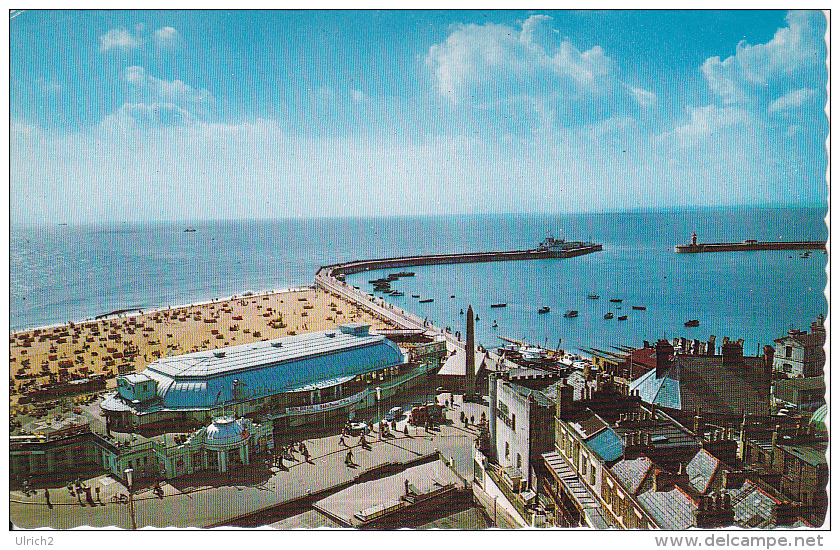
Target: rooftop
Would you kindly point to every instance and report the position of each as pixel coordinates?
(309, 361)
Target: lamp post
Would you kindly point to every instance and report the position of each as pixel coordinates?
(378, 404)
(129, 476)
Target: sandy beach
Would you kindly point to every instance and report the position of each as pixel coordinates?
(129, 342)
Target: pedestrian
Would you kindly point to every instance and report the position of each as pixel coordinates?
(348, 460)
(47, 498)
(406, 487)
(341, 441)
(89, 497)
(98, 496)
(304, 451)
(79, 497)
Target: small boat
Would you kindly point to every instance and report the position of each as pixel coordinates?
(570, 313)
(692, 323)
(544, 309)
(452, 296)
(639, 308)
(622, 317)
(616, 300)
(609, 316)
(462, 312)
(498, 305)
(476, 318)
(427, 300)
(593, 296)
(189, 230)
(617, 307)
(495, 324)
(397, 293)
(415, 295)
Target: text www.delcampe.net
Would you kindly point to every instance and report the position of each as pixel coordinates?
(747, 541)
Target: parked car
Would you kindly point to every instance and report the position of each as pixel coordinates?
(394, 414)
(359, 428)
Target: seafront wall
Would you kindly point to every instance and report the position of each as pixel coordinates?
(325, 278)
(746, 246)
(445, 259)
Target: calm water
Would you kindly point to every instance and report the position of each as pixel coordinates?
(66, 273)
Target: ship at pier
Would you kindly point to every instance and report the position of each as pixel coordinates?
(561, 248)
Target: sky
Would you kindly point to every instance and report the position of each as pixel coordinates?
(143, 116)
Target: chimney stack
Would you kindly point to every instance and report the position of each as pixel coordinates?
(769, 352)
(664, 351)
(732, 353)
(710, 349)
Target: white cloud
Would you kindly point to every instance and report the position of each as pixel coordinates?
(494, 64)
(643, 97)
(167, 37)
(792, 101)
(359, 96)
(119, 39)
(149, 90)
(737, 78)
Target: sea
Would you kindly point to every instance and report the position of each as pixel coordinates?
(62, 273)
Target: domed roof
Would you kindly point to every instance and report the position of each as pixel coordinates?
(224, 430)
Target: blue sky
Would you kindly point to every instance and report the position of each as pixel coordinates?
(182, 115)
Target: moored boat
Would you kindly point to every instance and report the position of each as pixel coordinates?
(692, 323)
(593, 296)
(498, 305)
(609, 316)
(570, 313)
(639, 308)
(622, 317)
(427, 300)
(616, 300)
(544, 309)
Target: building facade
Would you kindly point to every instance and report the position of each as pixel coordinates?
(800, 354)
(297, 380)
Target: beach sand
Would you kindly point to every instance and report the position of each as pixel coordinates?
(130, 342)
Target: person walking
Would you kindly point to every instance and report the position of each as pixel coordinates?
(348, 459)
(47, 498)
(98, 496)
(304, 451)
(341, 441)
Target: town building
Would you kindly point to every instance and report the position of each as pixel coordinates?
(789, 454)
(294, 380)
(800, 354)
(727, 385)
(799, 393)
(621, 463)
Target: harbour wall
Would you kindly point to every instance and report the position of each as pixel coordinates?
(746, 246)
(470, 257)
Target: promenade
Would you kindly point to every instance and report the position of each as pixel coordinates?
(195, 501)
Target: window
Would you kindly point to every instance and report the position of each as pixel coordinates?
(518, 461)
(507, 450)
(592, 474)
(786, 367)
(788, 351)
(513, 422)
